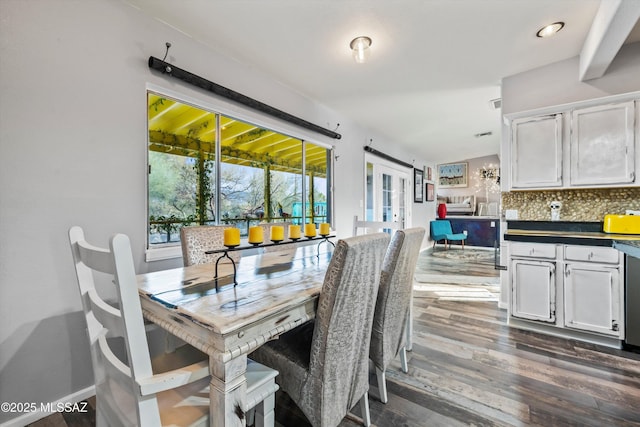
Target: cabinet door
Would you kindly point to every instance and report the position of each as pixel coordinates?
(533, 292)
(536, 152)
(592, 298)
(602, 145)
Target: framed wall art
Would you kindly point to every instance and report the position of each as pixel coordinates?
(430, 192)
(451, 175)
(428, 175)
(418, 188)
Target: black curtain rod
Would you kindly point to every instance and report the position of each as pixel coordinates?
(185, 76)
(386, 156)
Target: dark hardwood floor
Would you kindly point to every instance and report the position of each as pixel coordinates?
(468, 367)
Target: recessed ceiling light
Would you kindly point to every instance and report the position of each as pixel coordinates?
(550, 29)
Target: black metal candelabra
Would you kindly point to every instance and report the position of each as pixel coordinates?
(225, 251)
(226, 255)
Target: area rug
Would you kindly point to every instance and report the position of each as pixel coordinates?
(465, 255)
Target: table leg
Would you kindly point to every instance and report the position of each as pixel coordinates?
(228, 392)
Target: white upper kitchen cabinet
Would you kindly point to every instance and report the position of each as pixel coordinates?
(536, 152)
(603, 145)
(586, 144)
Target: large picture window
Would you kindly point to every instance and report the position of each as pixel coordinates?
(209, 168)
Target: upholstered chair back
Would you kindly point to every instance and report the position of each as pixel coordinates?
(342, 333)
(394, 296)
(197, 239)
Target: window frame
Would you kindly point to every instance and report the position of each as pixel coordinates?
(225, 108)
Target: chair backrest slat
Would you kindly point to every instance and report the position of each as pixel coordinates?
(373, 226)
(109, 317)
(96, 258)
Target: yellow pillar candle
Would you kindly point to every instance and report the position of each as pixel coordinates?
(256, 235)
(294, 231)
(324, 229)
(277, 233)
(310, 230)
(231, 236)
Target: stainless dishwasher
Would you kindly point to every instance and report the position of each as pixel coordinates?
(632, 302)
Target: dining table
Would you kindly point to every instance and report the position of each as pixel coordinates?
(275, 292)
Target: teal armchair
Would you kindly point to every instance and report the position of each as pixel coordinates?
(441, 230)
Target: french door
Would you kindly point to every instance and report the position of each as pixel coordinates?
(386, 193)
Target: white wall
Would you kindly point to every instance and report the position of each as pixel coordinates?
(73, 77)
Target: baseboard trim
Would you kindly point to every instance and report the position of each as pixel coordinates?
(32, 417)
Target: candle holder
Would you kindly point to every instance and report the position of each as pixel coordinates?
(232, 248)
(325, 238)
(225, 254)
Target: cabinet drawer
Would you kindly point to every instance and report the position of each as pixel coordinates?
(591, 254)
(533, 250)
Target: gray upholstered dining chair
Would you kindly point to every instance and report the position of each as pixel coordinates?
(197, 239)
(132, 389)
(388, 338)
(324, 364)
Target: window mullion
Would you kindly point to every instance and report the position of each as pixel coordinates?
(218, 174)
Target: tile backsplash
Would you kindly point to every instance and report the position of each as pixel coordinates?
(577, 205)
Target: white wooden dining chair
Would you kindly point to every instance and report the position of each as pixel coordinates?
(324, 364)
(364, 227)
(388, 338)
(132, 389)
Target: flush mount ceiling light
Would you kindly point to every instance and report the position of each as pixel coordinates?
(360, 47)
(550, 29)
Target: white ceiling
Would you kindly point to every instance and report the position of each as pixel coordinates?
(434, 65)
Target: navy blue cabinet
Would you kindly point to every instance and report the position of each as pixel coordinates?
(480, 231)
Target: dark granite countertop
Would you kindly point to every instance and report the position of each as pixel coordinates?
(583, 226)
(572, 233)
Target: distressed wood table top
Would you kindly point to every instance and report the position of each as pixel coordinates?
(268, 284)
